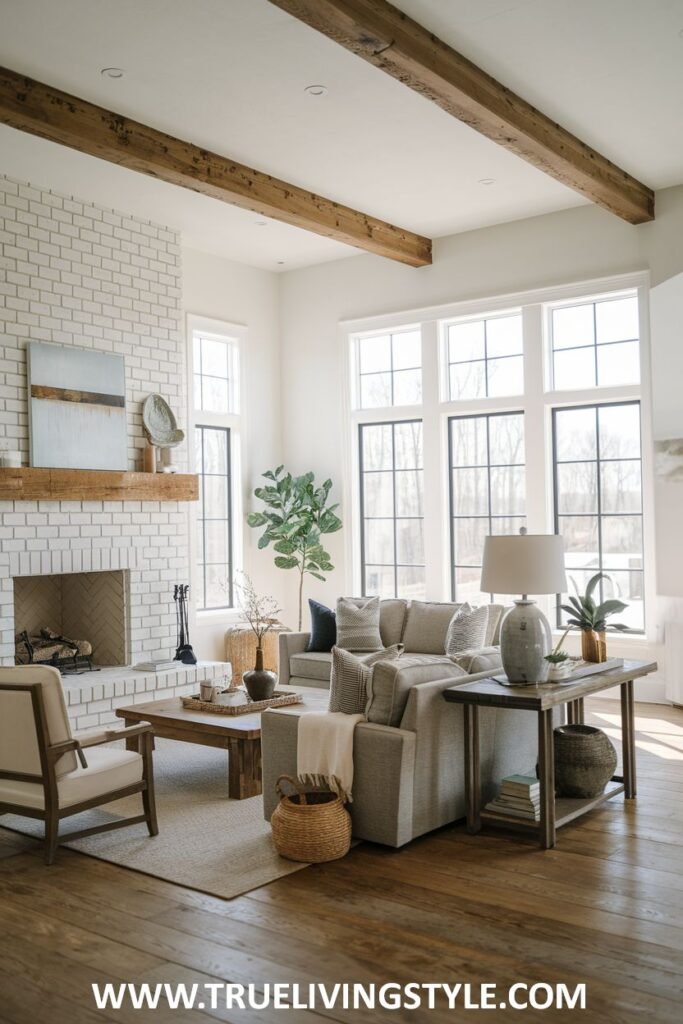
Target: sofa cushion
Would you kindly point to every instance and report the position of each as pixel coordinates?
(392, 616)
(479, 659)
(351, 676)
(311, 665)
(323, 627)
(108, 769)
(391, 682)
(426, 627)
(467, 629)
(358, 624)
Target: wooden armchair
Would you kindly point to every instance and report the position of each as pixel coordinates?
(44, 770)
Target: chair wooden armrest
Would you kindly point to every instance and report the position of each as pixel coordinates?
(110, 735)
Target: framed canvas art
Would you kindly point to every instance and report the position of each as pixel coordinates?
(77, 408)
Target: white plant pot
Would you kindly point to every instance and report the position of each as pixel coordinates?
(560, 671)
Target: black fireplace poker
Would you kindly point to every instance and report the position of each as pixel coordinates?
(184, 650)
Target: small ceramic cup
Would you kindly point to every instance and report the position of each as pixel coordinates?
(206, 691)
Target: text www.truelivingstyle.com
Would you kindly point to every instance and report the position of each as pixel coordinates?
(346, 996)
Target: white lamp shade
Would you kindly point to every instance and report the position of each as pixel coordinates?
(524, 564)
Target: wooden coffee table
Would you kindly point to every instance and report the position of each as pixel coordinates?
(542, 698)
(240, 735)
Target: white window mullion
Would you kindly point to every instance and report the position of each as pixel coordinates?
(538, 455)
(435, 492)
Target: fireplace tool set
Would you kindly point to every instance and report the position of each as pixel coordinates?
(184, 650)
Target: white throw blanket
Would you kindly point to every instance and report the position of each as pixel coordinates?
(325, 750)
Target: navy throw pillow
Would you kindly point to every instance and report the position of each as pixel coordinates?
(323, 628)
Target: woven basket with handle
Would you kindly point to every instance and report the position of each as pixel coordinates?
(310, 827)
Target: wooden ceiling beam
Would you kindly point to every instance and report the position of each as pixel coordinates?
(41, 110)
(391, 41)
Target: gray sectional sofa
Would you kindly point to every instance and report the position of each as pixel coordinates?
(408, 755)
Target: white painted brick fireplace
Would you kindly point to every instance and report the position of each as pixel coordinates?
(75, 274)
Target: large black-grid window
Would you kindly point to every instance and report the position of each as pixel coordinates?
(598, 501)
(487, 491)
(392, 509)
(214, 542)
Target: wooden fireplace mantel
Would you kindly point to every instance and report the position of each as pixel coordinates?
(95, 485)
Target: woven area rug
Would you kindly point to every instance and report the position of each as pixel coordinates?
(206, 841)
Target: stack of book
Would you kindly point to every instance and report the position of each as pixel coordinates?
(519, 797)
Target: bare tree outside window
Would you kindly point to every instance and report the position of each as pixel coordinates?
(392, 509)
(598, 500)
(487, 491)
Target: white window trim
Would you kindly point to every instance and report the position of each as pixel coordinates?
(197, 324)
(536, 403)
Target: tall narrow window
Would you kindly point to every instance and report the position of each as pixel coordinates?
(595, 344)
(392, 509)
(598, 501)
(389, 369)
(215, 533)
(215, 363)
(487, 491)
(215, 359)
(485, 357)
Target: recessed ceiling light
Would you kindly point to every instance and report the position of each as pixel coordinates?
(316, 90)
(487, 181)
(112, 72)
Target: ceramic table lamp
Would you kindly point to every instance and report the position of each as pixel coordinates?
(524, 564)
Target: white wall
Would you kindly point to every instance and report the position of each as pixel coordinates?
(222, 290)
(559, 248)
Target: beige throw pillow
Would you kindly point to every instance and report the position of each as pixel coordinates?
(467, 629)
(358, 624)
(351, 676)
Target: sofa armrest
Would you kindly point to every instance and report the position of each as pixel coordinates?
(289, 644)
(384, 766)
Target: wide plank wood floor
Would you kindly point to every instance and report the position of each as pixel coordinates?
(605, 907)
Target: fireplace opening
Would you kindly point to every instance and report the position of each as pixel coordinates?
(75, 621)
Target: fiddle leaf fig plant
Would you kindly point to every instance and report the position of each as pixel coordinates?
(586, 615)
(296, 515)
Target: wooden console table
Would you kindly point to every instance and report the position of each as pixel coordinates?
(543, 698)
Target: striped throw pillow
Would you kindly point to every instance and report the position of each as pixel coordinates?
(467, 629)
(351, 676)
(358, 624)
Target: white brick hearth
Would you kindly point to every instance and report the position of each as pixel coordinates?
(75, 274)
(92, 697)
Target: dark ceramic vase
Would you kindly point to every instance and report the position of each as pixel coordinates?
(585, 760)
(259, 683)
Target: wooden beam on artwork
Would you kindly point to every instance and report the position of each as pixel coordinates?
(41, 110)
(391, 41)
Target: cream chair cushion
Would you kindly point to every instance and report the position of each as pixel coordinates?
(108, 769)
(18, 740)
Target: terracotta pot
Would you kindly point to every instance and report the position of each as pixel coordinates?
(593, 646)
(259, 683)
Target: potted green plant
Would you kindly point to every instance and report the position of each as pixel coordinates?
(560, 663)
(591, 619)
(296, 515)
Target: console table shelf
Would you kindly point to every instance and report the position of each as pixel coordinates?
(32, 484)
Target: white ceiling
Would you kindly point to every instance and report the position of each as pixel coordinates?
(230, 75)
